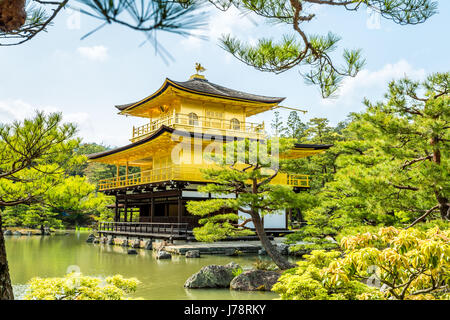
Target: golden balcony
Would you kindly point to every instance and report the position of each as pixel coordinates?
(193, 123)
(186, 173)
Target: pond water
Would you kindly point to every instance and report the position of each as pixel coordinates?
(54, 256)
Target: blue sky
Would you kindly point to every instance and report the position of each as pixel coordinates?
(84, 79)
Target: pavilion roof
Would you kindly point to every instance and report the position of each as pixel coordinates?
(201, 86)
(165, 129)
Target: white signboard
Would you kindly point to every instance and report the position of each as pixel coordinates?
(271, 221)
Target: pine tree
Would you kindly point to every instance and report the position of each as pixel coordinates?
(34, 155)
(246, 170)
(393, 167)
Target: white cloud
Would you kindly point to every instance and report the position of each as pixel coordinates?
(232, 21)
(12, 110)
(95, 53)
(89, 128)
(371, 84)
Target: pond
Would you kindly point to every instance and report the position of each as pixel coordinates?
(54, 256)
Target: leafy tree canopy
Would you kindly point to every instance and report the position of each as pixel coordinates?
(392, 165)
(34, 156)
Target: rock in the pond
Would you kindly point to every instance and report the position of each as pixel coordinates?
(132, 251)
(125, 243)
(90, 238)
(212, 276)
(193, 254)
(96, 240)
(231, 252)
(255, 280)
(282, 248)
(7, 233)
(136, 244)
(148, 245)
(29, 233)
(110, 241)
(262, 252)
(232, 265)
(161, 254)
(17, 233)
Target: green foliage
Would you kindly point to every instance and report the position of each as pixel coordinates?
(308, 247)
(250, 182)
(211, 232)
(264, 265)
(96, 171)
(306, 281)
(391, 167)
(75, 286)
(245, 170)
(76, 198)
(72, 202)
(412, 264)
(34, 156)
(354, 230)
(237, 271)
(31, 216)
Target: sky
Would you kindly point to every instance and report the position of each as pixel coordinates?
(58, 72)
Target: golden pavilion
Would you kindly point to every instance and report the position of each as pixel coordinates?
(151, 201)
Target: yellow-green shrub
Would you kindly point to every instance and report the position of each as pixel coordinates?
(75, 286)
(412, 264)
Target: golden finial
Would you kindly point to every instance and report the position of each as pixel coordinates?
(199, 68)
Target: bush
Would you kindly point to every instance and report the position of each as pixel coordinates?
(410, 264)
(306, 282)
(298, 248)
(75, 286)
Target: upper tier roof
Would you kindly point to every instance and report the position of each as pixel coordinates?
(204, 87)
(165, 129)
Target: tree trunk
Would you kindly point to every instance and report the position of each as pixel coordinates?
(6, 292)
(42, 230)
(443, 201)
(272, 251)
(444, 207)
(300, 219)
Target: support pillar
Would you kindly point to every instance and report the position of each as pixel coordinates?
(117, 175)
(125, 214)
(152, 208)
(126, 174)
(180, 207)
(116, 211)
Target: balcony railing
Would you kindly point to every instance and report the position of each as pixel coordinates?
(186, 173)
(206, 124)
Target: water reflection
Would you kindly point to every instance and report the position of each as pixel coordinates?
(32, 256)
